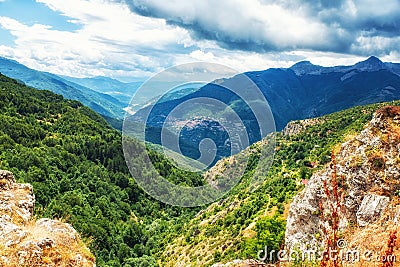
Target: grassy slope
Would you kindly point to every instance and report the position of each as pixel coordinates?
(244, 223)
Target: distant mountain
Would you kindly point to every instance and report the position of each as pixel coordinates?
(124, 92)
(103, 104)
(371, 64)
(119, 90)
(299, 92)
(306, 90)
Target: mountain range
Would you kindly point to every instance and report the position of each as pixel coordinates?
(102, 103)
(299, 92)
(115, 88)
(302, 91)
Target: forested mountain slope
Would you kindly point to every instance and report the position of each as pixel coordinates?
(74, 161)
(102, 103)
(245, 222)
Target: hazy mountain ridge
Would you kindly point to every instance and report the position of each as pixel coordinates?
(101, 103)
(115, 88)
(371, 64)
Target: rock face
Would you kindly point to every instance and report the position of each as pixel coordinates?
(26, 242)
(295, 127)
(371, 209)
(369, 166)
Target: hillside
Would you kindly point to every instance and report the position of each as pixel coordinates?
(243, 223)
(101, 103)
(300, 92)
(74, 161)
(27, 241)
(365, 175)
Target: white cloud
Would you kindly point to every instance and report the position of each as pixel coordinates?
(376, 45)
(113, 41)
(284, 25)
(235, 22)
(244, 61)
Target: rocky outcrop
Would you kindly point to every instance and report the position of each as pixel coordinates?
(296, 127)
(27, 242)
(369, 166)
(371, 209)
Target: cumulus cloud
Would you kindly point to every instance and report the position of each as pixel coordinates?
(244, 25)
(283, 25)
(110, 41)
(137, 38)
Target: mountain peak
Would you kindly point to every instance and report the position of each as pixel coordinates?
(304, 67)
(302, 64)
(9, 61)
(371, 64)
(373, 59)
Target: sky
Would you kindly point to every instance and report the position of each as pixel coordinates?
(134, 39)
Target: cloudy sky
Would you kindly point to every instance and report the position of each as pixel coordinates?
(129, 39)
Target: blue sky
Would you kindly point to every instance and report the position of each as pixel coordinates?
(137, 38)
(30, 12)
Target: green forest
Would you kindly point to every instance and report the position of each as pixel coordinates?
(74, 160)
